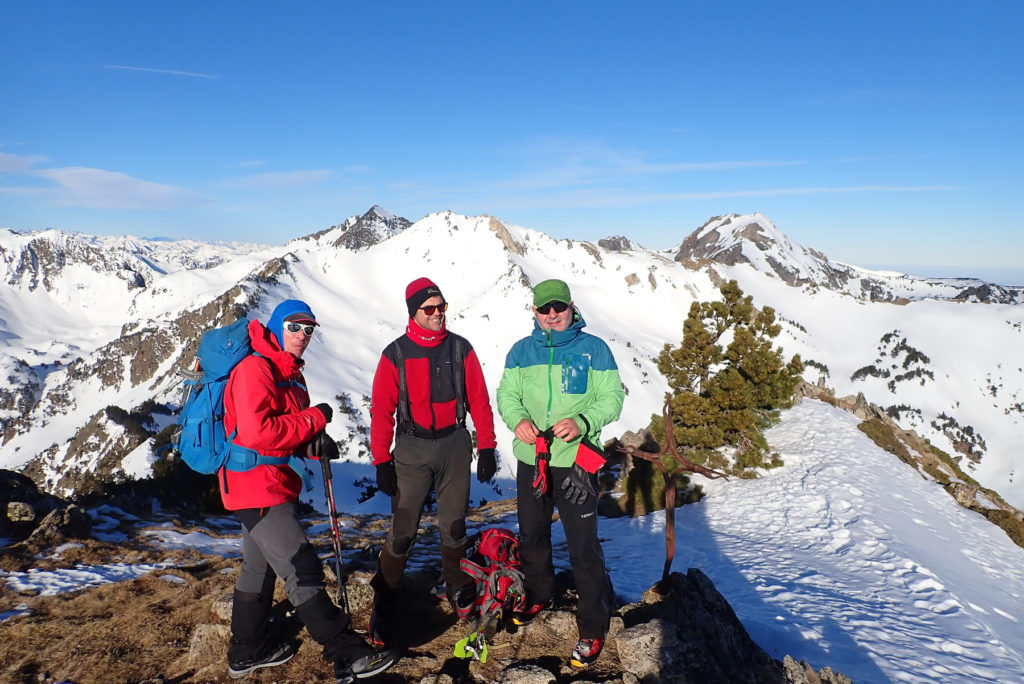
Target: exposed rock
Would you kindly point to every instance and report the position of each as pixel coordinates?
(375, 226)
(208, 645)
(965, 494)
(22, 505)
(803, 673)
(506, 238)
(221, 607)
(70, 522)
(615, 243)
(696, 636)
(526, 674)
(650, 650)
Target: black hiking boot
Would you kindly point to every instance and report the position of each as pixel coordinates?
(463, 600)
(277, 654)
(380, 633)
(364, 666)
(382, 618)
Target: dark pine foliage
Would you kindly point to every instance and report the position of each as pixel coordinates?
(727, 380)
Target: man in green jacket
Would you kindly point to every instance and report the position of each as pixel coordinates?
(560, 386)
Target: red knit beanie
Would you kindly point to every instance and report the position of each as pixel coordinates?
(419, 291)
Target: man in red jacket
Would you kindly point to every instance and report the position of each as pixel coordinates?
(424, 384)
(267, 403)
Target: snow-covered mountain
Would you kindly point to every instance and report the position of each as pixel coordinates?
(753, 239)
(100, 334)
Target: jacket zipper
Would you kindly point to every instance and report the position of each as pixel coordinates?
(551, 363)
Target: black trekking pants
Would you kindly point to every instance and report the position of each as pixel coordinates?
(593, 610)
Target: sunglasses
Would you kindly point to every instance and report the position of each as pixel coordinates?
(545, 309)
(430, 308)
(304, 327)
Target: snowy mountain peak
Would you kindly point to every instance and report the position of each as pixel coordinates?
(753, 239)
(376, 225)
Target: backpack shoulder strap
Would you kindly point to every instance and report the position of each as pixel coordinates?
(459, 370)
(404, 414)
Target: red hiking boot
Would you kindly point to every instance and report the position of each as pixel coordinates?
(525, 617)
(586, 651)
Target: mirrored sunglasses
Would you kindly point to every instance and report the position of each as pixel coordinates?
(545, 309)
(430, 308)
(304, 327)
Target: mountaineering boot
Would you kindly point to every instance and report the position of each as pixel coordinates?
(382, 616)
(586, 651)
(272, 655)
(329, 627)
(362, 663)
(526, 616)
(463, 600)
(251, 640)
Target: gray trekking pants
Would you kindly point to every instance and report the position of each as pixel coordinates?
(274, 543)
(441, 465)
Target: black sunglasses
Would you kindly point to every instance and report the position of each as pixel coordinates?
(304, 327)
(545, 309)
(429, 309)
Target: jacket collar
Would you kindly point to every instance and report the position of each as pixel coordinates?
(265, 344)
(558, 338)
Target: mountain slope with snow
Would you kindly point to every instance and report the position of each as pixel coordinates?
(945, 363)
(848, 558)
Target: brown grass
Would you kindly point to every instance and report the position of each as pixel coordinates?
(140, 631)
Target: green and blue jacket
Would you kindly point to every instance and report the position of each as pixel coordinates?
(552, 375)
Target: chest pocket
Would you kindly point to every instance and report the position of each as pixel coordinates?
(575, 372)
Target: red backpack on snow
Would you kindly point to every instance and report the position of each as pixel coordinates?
(492, 559)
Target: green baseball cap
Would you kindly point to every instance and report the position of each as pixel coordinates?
(551, 291)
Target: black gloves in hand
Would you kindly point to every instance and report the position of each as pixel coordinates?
(486, 464)
(579, 485)
(326, 410)
(387, 478)
(325, 447)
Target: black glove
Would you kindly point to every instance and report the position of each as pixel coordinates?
(387, 478)
(578, 486)
(486, 464)
(323, 446)
(326, 410)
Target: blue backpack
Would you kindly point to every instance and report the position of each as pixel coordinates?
(201, 441)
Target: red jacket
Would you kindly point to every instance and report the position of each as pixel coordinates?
(431, 387)
(266, 399)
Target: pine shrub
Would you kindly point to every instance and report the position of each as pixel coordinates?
(728, 382)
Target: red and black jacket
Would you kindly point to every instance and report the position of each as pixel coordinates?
(430, 379)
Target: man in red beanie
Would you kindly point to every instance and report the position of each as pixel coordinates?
(425, 382)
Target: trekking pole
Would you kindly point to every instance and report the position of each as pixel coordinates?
(325, 465)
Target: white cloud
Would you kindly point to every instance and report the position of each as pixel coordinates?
(99, 189)
(13, 163)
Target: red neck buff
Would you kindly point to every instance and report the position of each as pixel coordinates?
(423, 337)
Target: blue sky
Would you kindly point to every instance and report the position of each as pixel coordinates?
(881, 133)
